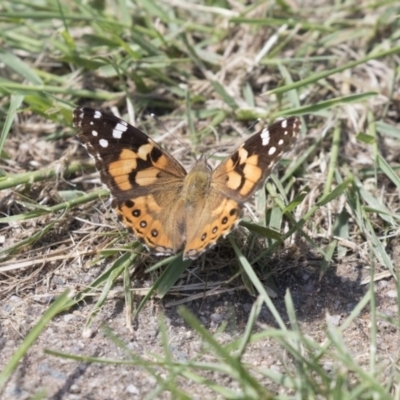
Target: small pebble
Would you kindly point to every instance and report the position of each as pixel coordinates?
(68, 317)
(87, 333)
(392, 294)
(334, 319)
(327, 366)
(216, 317)
(132, 389)
(382, 284)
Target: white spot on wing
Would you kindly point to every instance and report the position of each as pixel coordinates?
(103, 143)
(94, 133)
(97, 114)
(284, 124)
(280, 142)
(119, 130)
(272, 150)
(265, 136)
(117, 134)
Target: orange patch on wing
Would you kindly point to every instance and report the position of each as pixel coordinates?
(152, 233)
(144, 151)
(121, 169)
(160, 239)
(243, 153)
(252, 160)
(214, 230)
(144, 204)
(247, 187)
(229, 166)
(161, 163)
(197, 246)
(127, 163)
(234, 180)
(222, 206)
(252, 175)
(152, 205)
(146, 176)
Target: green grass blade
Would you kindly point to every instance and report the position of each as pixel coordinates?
(15, 103)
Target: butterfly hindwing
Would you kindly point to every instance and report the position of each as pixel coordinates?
(205, 226)
(145, 216)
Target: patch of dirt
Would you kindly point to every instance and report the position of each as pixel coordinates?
(336, 294)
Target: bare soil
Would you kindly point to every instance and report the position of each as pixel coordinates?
(333, 297)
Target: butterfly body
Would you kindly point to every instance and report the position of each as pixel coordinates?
(197, 184)
(164, 206)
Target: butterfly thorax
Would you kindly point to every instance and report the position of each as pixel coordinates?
(197, 184)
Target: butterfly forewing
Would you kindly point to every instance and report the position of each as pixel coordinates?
(250, 164)
(122, 151)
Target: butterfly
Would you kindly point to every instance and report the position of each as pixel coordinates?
(163, 205)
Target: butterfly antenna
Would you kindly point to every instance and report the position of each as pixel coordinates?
(248, 130)
(169, 132)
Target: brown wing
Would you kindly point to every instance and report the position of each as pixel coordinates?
(233, 182)
(144, 179)
(247, 168)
